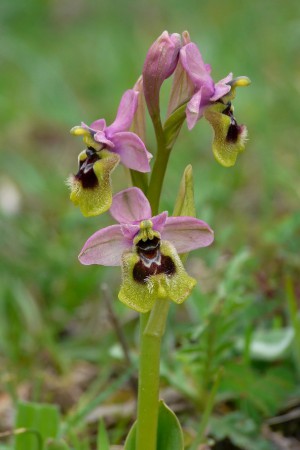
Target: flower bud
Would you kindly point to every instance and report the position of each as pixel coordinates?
(160, 63)
(182, 87)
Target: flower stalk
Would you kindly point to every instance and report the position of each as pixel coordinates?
(152, 325)
(152, 328)
(148, 391)
(157, 177)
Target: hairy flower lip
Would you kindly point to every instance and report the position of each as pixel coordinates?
(91, 186)
(158, 264)
(142, 286)
(86, 175)
(229, 137)
(233, 132)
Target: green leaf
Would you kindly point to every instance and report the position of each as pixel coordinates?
(131, 438)
(102, 438)
(169, 432)
(265, 393)
(173, 125)
(240, 429)
(41, 422)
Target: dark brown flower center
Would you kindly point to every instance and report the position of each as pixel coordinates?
(234, 129)
(86, 174)
(152, 261)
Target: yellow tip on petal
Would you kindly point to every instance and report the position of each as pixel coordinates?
(79, 131)
(240, 81)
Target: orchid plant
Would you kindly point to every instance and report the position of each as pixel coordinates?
(150, 245)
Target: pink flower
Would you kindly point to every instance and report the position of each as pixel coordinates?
(213, 101)
(91, 188)
(206, 91)
(147, 248)
(116, 138)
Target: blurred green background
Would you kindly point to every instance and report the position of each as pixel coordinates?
(66, 61)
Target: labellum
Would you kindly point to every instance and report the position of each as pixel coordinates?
(153, 272)
(91, 186)
(234, 129)
(229, 137)
(86, 174)
(151, 262)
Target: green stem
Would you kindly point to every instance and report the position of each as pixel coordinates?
(143, 323)
(139, 180)
(152, 325)
(160, 166)
(157, 179)
(159, 132)
(148, 394)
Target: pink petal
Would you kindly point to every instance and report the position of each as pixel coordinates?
(98, 125)
(221, 88)
(105, 247)
(132, 151)
(125, 114)
(192, 110)
(196, 106)
(159, 221)
(187, 233)
(208, 68)
(172, 60)
(193, 63)
(227, 79)
(130, 230)
(102, 139)
(130, 205)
